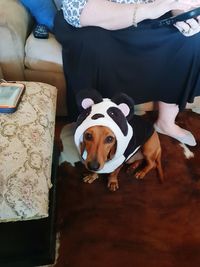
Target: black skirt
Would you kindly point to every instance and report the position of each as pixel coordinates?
(148, 64)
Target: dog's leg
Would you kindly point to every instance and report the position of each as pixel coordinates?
(90, 177)
(150, 164)
(152, 155)
(159, 167)
(113, 180)
(152, 161)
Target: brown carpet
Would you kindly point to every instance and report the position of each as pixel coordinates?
(144, 223)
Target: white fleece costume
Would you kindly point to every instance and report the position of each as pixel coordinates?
(108, 113)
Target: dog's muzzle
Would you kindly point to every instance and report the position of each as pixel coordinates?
(93, 165)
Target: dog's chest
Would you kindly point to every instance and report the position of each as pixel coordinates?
(137, 156)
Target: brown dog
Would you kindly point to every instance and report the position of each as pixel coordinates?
(99, 146)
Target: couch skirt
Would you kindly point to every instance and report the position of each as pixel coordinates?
(149, 64)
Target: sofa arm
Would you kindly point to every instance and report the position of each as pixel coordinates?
(15, 23)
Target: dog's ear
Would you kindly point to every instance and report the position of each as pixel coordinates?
(125, 104)
(83, 151)
(112, 151)
(87, 98)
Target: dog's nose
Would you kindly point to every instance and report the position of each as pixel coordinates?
(93, 165)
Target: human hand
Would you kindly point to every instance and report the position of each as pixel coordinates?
(160, 7)
(191, 3)
(189, 27)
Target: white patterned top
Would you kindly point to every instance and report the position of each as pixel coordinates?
(72, 9)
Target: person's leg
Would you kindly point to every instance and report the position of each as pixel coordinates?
(166, 124)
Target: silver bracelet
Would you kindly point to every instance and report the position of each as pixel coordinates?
(134, 15)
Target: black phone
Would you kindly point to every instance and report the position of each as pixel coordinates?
(182, 17)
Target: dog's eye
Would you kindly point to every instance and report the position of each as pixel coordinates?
(109, 139)
(88, 136)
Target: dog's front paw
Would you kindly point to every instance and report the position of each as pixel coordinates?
(113, 185)
(90, 178)
(140, 174)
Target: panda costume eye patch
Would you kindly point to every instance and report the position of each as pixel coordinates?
(119, 118)
(97, 116)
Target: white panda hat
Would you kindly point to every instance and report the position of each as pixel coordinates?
(112, 113)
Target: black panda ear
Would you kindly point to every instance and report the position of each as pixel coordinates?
(125, 104)
(87, 98)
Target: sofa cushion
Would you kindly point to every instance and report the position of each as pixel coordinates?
(43, 54)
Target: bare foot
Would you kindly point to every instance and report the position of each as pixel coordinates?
(176, 132)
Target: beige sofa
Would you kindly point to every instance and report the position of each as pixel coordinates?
(23, 57)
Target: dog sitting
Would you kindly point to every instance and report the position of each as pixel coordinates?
(108, 134)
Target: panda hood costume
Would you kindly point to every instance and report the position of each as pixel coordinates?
(131, 131)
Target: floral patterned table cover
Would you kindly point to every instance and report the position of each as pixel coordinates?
(26, 146)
